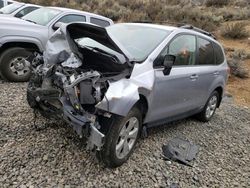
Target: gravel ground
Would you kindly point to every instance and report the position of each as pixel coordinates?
(53, 156)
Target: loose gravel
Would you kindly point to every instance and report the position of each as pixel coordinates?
(51, 154)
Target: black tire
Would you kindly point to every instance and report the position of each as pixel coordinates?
(5, 62)
(107, 154)
(202, 115)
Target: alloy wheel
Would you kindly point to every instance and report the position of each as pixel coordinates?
(211, 106)
(127, 137)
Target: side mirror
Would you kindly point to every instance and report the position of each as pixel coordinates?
(57, 25)
(168, 64)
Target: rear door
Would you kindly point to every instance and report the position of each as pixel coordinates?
(208, 71)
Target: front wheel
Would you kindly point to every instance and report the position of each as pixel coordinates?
(121, 139)
(14, 66)
(210, 107)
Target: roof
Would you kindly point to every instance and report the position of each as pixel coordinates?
(80, 12)
(172, 28)
(156, 26)
(28, 4)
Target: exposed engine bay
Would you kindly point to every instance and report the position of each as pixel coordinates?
(71, 90)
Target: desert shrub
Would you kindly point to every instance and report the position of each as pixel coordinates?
(231, 13)
(237, 69)
(241, 3)
(189, 15)
(240, 54)
(157, 11)
(216, 3)
(235, 30)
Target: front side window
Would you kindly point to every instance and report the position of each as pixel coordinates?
(72, 18)
(42, 16)
(99, 22)
(184, 49)
(205, 52)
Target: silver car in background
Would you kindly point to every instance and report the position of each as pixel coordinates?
(111, 83)
(4, 3)
(18, 10)
(19, 38)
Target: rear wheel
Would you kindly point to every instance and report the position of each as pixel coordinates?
(14, 65)
(121, 139)
(210, 107)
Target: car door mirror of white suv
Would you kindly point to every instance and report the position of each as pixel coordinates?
(57, 25)
(168, 63)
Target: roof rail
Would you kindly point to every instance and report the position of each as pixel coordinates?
(158, 22)
(198, 30)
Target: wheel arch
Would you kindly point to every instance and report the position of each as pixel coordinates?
(142, 103)
(219, 89)
(26, 45)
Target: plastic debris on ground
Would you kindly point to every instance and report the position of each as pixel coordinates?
(180, 150)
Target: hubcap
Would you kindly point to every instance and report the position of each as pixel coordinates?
(127, 137)
(19, 66)
(211, 107)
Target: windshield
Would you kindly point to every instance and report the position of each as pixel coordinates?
(11, 8)
(41, 16)
(138, 40)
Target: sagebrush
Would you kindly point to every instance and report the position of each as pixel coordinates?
(235, 30)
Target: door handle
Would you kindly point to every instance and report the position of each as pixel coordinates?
(194, 77)
(216, 73)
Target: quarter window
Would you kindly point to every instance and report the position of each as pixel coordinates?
(99, 22)
(184, 48)
(72, 18)
(205, 52)
(219, 56)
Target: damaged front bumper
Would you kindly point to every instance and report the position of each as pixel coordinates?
(64, 103)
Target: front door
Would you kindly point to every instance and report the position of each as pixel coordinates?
(174, 94)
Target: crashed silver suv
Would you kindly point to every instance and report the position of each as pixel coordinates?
(112, 83)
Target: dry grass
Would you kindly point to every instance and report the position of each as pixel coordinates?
(237, 68)
(216, 3)
(235, 30)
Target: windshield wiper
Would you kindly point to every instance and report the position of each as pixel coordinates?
(30, 21)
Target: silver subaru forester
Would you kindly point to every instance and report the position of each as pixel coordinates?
(112, 83)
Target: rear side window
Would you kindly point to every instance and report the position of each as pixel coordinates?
(184, 48)
(99, 22)
(72, 18)
(205, 52)
(219, 56)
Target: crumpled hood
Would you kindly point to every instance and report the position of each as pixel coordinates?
(62, 43)
(97, 33)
